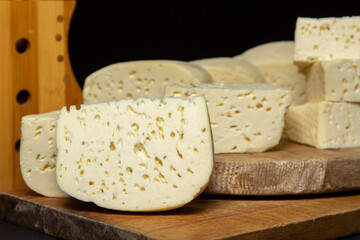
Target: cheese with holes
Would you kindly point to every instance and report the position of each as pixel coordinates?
(135, 155)
(326, 39)
(230, 70)
(336, 80)
(245, 117)
(139, 79)
(38, 153)
(275, 62)
(324, 124)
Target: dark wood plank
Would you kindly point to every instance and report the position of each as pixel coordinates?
(314, 217)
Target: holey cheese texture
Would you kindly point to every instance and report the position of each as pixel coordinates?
(337, 80)
(275, 62)
(38, 153)
(135, 155)
(245, 117)
(140, 79)
(225, 69)
(326, 39)
(324, 125)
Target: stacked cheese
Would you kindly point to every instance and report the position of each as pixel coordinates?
(275, 62)
(330, 50)
(134, 155)
(245, 117)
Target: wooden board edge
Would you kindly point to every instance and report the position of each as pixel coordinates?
(57, 223)
(327, 227)
(68, 225)
(254, 179)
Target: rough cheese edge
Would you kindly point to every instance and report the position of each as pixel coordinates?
(33, 118)
(202, 188)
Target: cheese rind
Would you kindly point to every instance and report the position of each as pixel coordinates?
(275, 61)
(38, 153)
(245, 117)
(135, 155)
(325, 39)
(139, 79)
(324, 125)
(225, 69)
(337, 80)
(279, 52)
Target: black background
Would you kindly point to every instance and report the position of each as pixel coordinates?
(106, 32)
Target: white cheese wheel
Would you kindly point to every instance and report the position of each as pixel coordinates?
(245, 117)
(38, 153)
(275, 62)
(279, 52)
(135, 155)
(139, 79)
(225, 69)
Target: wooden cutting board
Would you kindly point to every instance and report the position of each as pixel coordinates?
(305, 217)
(290, 168)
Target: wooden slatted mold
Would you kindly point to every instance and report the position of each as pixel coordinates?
(35, 72)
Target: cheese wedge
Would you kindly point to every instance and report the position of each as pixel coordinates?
(336, 80)
(326, 39)
(230, 70)
(135, 155)
(324, 125)
(38, 153)
(275, 62)
(139, 79)
(245, 117)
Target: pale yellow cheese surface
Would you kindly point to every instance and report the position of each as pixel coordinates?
(224, 69)
(135, 155)
(322, 39)
(140, 79)
(335, 80)
(38, 153)
(275, 61)
(245, 117)
(324, 125)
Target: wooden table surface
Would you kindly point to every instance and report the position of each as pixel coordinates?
(208, 217)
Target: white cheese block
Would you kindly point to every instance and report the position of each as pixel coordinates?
(337, 80)
(245, 117)
(326, 39)
(135, 155)
(139, 79)
(38, 153)
(224, 69)
(275, 62)
(324, 125)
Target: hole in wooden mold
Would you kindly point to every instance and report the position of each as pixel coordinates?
(58, 37)
(60, 58)
(22, 45)
(60, 18)
(23, 97)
